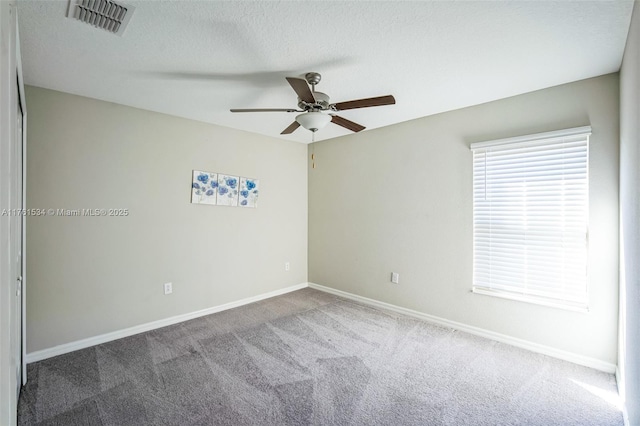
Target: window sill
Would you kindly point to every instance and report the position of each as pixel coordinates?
(531, 299)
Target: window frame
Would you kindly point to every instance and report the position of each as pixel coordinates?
(534, 140)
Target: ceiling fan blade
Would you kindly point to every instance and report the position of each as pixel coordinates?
(365, 103)
(293, 126)
(265, 110)
(347, 124)
(301, 87)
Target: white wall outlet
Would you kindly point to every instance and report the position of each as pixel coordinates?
(287, 266)
(395, 277)
(168, 288)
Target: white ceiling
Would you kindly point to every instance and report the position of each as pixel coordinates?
(433, 56)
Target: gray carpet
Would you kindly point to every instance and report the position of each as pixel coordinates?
(310, 358)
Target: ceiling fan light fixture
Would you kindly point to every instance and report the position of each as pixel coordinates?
(313, 120)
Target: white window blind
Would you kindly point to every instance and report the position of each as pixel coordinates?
(530, 217)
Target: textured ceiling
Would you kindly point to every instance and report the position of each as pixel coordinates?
(197, 59)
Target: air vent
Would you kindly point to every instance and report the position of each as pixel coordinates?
(105, 14)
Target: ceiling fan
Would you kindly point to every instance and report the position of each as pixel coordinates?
(316, 109)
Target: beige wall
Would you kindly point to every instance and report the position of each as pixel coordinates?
(630, 220)
(92, 275)
(399, 199)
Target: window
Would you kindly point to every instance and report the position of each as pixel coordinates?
(530, 218)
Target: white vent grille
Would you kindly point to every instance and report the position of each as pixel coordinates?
(105, 14)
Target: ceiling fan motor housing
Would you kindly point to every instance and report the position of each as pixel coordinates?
(321, 103)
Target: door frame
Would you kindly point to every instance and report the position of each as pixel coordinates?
(9, 330)
(23, 231)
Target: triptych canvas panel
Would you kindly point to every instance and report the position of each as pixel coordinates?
(224, 190)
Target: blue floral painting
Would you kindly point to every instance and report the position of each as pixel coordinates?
(228, 187)
(224, 190)
(204, 187)
(248, 196)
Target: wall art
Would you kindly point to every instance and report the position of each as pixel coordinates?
(204, 187)
(227, 190)
(224, 190)
(249, 190)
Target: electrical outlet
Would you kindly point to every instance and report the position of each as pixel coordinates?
(287, 266)
(168, 288)
(395, 277)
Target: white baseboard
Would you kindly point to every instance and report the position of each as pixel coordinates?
(503, 338)
(525, 344)
(103, 338)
